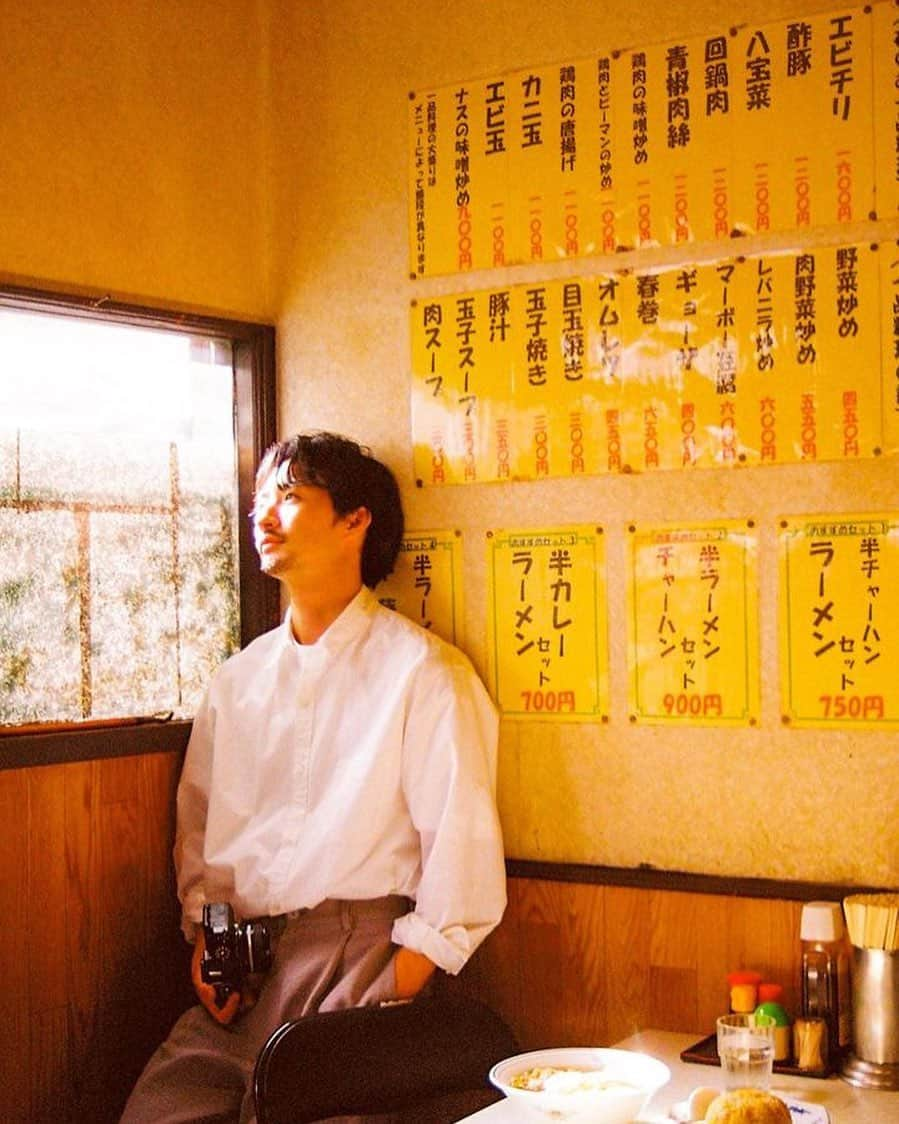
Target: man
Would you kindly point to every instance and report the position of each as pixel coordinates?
(339, 782)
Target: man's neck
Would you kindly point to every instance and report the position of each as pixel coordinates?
(312, 614)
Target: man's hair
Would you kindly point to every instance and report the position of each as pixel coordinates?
(353, 478)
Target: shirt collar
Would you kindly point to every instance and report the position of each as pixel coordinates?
(351, 623)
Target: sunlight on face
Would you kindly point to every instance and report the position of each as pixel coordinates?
(296, 530)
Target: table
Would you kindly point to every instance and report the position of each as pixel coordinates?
(845, 1103)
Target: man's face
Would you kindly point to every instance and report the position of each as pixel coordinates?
(298, 534)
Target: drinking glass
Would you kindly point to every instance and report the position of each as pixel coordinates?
(746, 1050)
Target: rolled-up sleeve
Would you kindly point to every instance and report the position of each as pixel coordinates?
(449, 780)
(192, 806)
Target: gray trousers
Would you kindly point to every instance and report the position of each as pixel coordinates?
(336, 955)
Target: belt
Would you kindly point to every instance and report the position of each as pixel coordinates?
(392, 905)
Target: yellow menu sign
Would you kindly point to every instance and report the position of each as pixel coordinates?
(547, 623)
(839, 586)
(889, 304)
(426, 584)
(756, 129)
(693, 624)
(761, 360)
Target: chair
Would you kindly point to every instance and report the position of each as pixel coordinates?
(370, 1060)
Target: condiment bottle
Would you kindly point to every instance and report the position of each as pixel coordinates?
(770, 992)
(743, 990)
(825, 972)
(783, 1036)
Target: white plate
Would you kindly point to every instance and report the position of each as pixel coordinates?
(802, 1112)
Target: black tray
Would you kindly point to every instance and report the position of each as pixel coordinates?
(705, 1052)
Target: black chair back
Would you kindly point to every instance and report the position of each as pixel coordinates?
(369, 1060)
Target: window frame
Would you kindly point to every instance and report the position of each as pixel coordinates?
(255, 428)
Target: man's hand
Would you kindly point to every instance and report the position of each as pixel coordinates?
(206, 992)
(413, 970)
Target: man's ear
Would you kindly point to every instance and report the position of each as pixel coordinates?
(360, 519)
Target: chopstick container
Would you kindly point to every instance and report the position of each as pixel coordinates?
(874, 1059)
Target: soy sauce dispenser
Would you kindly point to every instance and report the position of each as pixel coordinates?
(825, 974)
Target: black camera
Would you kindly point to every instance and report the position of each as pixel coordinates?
(233, 949)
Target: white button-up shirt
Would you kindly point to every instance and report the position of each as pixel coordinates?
(356, 767)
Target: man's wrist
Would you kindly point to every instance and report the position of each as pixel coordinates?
(412, 970)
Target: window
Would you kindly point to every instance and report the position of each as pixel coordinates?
(128, 444)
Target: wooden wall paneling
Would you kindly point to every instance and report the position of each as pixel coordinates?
(120, 780)
(590, 963)
(541, 916)
(715, 961)
(627, 944)
(585, 990)
(51, 1090)
(167, 953)
(47, 883)
(125, 991)
(763, 935)
(784, 956)
(159, 774)
(47, 939)
(760, 934)
(748, 936)
(122, 890)
(15, 1040)
(85, 962)
(138, 995)
(674, 938)
(94, 968)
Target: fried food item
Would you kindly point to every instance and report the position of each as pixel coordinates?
(747, 1106)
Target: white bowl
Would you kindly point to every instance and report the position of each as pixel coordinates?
(641, 1077)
